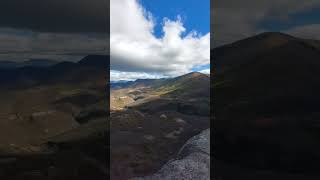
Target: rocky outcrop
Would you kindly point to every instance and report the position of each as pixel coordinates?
(192, 161)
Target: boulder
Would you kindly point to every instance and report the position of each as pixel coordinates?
(163, 116)
(180, 121)
(149, 137)
(192, 161)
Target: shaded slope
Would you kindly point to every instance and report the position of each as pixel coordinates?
(187, 94)
(266, 93)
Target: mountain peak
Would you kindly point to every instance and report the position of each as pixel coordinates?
(271, 39)
(274, 34)
(266, 39)
(95, 60)
(274, 37)
(194, 74)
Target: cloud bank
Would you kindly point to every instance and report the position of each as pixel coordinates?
(311, 31)
(20, 45)
(135, 49)
(62, 16)
(131, 76)
(233, 20)
(53, 29)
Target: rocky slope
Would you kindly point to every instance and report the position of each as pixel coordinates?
(156, 122)
(192, 161)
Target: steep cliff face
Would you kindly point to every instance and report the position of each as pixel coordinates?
(192, 161)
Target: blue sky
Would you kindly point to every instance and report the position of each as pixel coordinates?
(200, 68)
(195, 14)
(167, 46)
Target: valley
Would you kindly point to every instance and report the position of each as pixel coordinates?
(149, 122)
(54, 121)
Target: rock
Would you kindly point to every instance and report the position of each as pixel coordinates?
(149, 137)
(139, 113)
(199, 143)
(13, 117)
(192, 161)
(180, 121)
(34, 149)
(180, 130)
(174, 134)
(171, 135)
(163, 116)
(42, 113)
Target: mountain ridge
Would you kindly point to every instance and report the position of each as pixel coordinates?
(66, 72)
(240, 52)
(156, 82)
(266, 100)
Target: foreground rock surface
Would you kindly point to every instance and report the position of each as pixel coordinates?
(192, 161)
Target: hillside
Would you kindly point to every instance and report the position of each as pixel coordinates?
(266, 95)
(54, 120)
(182, 89)
(151, 119)
(90, 68)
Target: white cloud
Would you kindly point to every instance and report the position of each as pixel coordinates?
(134, 47)
(233, 20)
(310, 31)
(19, 45)
(205, 71)
(131, 76)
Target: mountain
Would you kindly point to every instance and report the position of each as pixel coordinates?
(54, 120)
(243, 51)
(163, 82)
(90, 68)
(266, 99)
(31, 63)
(188, 93)
(39, 63)
(151, 119)
(95, 61)
(136, 83)
(194, 83)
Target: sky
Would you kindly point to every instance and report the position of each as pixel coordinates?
(156, 39)
(53, 29)
(233, 20)
(149, 38)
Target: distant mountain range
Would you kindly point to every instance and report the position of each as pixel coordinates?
(33, 72)
(136, 83)
(153, 82)
(31, 62)
(170, 94)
